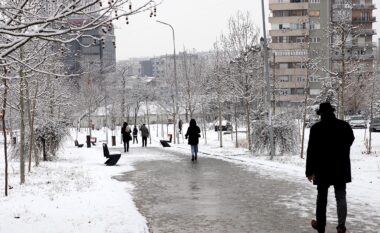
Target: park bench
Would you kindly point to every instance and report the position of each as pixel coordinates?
(165, 143)
(77, 144)
(111, 158)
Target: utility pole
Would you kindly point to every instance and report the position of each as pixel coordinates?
(268, 87)
(175, 85)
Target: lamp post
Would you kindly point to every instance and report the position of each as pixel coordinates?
(175, 84)
(268, 87)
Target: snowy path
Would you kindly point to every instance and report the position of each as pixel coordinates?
(176, 195)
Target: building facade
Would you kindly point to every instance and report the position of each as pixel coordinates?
(302, 38)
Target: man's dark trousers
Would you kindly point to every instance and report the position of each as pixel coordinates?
(144, 141)
(340, 196)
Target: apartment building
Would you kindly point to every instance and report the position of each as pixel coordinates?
(300, 38)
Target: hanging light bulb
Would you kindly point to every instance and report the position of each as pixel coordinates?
(100, 3)
(130, 5)
(126, 20)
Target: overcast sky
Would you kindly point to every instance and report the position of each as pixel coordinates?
(197, 24)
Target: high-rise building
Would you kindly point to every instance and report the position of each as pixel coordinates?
(301, 37)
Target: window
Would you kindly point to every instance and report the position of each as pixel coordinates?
(300, 39)
(283, 92)
(297, 91)
(315, 25)
(314, 91)
(314, 78)
(315, 40)
(301, 79)
(314, 13)
(283, 79)
(284, 66)
(315, 1)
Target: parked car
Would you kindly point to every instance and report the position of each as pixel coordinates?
(358, 122)
(375, 124)
(226, 125)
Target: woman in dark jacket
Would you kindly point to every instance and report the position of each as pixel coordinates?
(126, 133)
(193, 134)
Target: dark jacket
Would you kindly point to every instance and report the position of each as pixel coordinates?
(126, 132)
(193, 133)
(135, 131)
(144, 131)
(328, 152)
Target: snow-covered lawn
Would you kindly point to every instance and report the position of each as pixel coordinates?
(75, 193)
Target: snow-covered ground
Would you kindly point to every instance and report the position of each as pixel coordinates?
(76, 192)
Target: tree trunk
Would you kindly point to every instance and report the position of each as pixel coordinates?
(204, 123)
(220, 122)
(22, 127)
(5, 134)
(147, 116)
(248, 125)
(304, 114)
(236, 126)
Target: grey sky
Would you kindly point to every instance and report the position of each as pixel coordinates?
(197, 24)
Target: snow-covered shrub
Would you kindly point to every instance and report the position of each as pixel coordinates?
(52, 134)
(286, 136)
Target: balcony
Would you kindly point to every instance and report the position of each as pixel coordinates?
(288, 6)
(359, 6)
(290, 98)
(356, 44)
(289, 32)
(354, 57)
(291, 58)
(366, 32)
(288, 45)
(293, 72)
(364, 20)
(290, 84)
(289, 19)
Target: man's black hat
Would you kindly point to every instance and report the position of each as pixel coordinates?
(325, 108)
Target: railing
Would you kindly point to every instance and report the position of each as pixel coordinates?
(363, 19)
(363, 6)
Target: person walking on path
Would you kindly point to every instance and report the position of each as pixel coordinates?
(180, 126)
(144, 134)
(193, 134)
(134, 134)
(328, 163)
(126, 133)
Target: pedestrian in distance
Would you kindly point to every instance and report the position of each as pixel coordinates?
(193, 134)
(180, 126)
(328, 164)
(126, 134)
(134, 134)
(144, 135)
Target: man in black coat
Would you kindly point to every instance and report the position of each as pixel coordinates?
(328, 163)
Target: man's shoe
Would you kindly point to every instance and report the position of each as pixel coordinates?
(341, 230)
(195, 157)
(314, 224)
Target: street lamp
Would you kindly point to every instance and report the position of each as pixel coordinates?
(175, 83)
(264, 43)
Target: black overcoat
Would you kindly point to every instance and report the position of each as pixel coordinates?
(126, 135)
(193, 134)
(328, 152)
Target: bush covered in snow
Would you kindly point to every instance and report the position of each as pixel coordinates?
(52, 135)
(286, 136)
